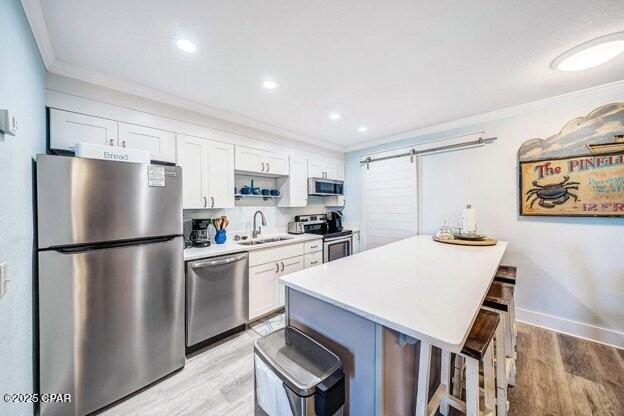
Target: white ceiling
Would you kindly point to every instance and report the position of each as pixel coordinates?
(393, 65)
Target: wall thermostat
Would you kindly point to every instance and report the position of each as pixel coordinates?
(8, 123)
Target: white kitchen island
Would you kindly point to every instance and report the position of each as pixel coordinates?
(364, 307)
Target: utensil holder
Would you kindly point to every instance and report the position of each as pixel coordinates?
(220, 237)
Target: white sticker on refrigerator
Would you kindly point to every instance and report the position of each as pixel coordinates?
(156, 175)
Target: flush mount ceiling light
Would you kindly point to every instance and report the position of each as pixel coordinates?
(186, 45)
(362, 129)
(590, 54)
(269, 85)
(334, 116)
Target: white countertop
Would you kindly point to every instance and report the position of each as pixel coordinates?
(421, 288)
(233, 247)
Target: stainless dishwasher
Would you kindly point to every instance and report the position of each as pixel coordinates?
(217, 296)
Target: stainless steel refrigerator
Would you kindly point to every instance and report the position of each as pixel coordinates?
(111, 279)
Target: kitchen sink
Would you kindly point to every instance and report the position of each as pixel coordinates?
(264, 241)
(250, 243)
(274, 239)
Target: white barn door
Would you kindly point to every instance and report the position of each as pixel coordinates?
(390, 201)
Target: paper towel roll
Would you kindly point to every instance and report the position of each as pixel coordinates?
(469, 220)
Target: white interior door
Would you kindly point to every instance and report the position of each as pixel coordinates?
(390, 209)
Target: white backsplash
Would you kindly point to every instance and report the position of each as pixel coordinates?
(241, 218)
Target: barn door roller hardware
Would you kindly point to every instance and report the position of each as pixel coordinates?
(413, 152)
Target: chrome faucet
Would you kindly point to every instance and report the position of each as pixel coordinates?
(255, 233)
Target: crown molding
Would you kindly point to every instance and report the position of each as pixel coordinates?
(39, 28)
(138, 90)
(489, 116)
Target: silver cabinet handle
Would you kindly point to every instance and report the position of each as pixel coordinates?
(282, 265)
(205, 202)
(314, 262)
(268, 167)
(277, 269)
(212, 202)
(313, 246)
(262, 166)
(110, 142)
(123, 144)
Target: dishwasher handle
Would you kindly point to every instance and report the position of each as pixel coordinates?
(219, 262)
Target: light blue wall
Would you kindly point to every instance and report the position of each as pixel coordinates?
(22, 90)
(570, 269)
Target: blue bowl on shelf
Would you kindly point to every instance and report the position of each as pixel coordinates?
(275, 192)
(266, 192)
(245, 190)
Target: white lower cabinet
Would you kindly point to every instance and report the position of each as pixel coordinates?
(262, 291)
(265, 292)
(313, 259)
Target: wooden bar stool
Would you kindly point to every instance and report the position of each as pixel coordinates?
(478, 349)
(506, 274)
(500, 298)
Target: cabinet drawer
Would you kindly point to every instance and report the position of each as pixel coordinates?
(313, 259)
(312, 246)
(257, 257)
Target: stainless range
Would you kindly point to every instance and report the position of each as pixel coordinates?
(336, 243)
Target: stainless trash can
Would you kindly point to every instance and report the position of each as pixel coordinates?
(296, 376)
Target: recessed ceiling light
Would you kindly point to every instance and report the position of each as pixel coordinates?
(590, 54)
(334, 116)
(362, 129)
(269, 85)
(186, 45)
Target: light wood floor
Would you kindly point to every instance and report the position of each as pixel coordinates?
(563, 375)
(557, 375)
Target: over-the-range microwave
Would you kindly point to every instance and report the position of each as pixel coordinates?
(325, 187)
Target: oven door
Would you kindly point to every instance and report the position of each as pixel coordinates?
(337, 248)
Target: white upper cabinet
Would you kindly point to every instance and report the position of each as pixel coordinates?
(250, 160)
(323, 168)
(277, 164)
(261, 161)
(220, 174)
(341, 170)
(207, 172)
(295, 188)
(192, 158)
(161, 144)
(67, 129)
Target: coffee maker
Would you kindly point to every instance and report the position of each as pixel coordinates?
(199, 234)
(335, 222)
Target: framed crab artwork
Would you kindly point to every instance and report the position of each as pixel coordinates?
(577, 172)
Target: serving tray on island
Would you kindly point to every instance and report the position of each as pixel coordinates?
(485, 242)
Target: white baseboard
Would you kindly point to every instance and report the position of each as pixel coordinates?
(577, 329)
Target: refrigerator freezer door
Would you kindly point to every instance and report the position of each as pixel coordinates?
(111, 321)
(83, 201)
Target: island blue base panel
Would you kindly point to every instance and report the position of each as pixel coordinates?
(381, 372)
